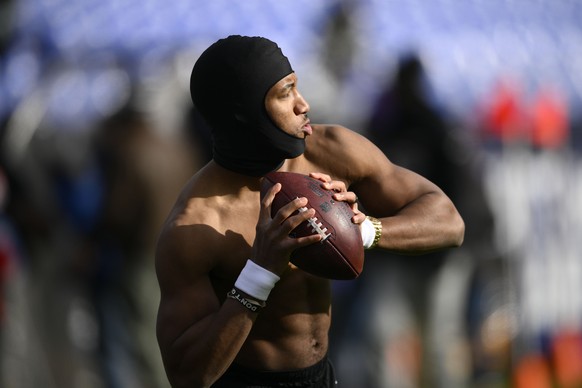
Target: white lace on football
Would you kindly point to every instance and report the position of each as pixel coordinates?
(316, 227)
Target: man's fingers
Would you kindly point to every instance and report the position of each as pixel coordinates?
(267, 201)
(301, 242)
(346, 196)
(290, 223)
(286, 211)
(320, 176)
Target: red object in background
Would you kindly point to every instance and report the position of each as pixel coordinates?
(544, 122)
(567, 359)
(550, 124)
(505, 118)
(532, 371)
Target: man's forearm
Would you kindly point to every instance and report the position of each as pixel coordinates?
(427, 224)
(203, 353)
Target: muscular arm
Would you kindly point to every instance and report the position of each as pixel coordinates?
(417, 217)
(197, 336)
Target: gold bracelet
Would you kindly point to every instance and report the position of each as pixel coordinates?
(378, 228)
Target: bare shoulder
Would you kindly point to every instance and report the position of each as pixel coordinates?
(338, 134)
(185, 256)
(209, 221)
(345, 153)
(189, 239)
(178, 254)
(351, 157)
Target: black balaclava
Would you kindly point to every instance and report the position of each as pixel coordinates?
(228, 85)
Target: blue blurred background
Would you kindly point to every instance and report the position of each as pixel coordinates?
(97, 135)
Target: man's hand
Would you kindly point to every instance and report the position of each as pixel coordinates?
(273, 246)
(341, 194)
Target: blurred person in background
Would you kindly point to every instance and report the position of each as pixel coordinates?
(50, 322)
(86, 207)
(141, 172)
(410, 126)
(388, 326)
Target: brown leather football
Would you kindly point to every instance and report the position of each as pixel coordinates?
(340, 255)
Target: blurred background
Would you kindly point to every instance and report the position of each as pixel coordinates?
(97, 135)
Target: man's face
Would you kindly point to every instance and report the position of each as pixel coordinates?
(287, 108)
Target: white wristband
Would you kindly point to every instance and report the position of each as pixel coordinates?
(368, 233)
(256, 281)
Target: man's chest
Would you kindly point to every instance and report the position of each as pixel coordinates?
(233, 247)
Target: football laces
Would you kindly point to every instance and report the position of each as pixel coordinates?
(316, 226)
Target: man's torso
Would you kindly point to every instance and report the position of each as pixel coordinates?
(292, 331)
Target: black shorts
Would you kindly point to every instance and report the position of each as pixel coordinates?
(320, 375)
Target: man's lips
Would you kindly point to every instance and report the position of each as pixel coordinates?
(307, 128)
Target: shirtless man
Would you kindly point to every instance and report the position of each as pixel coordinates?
(220, 237)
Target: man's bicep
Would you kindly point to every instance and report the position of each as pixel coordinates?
(182, 313)
(389, 188)
(382, 187)
(187, 295)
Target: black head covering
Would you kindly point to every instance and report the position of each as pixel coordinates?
(228, 85)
